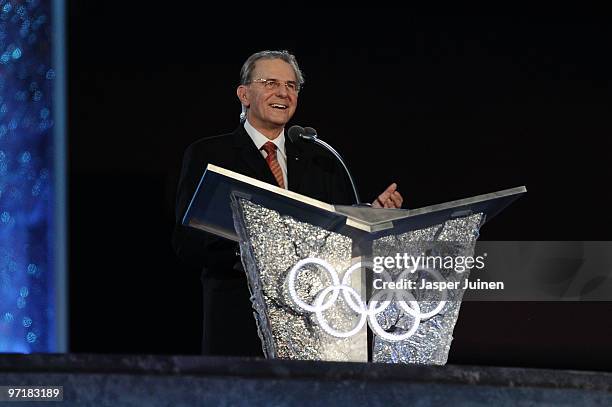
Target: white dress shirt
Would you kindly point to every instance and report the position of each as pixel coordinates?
(259, 140)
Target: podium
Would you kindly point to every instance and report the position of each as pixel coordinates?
(320, 275)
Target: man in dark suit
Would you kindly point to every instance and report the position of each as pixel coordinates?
(269, 86)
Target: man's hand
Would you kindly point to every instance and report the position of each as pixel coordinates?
(390, 198)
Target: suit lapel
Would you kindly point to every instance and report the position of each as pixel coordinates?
(251, 158)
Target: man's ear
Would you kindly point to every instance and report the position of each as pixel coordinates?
(241, 92)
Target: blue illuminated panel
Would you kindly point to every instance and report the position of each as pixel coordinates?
(32, 275)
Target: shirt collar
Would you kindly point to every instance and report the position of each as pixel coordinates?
(259, 139)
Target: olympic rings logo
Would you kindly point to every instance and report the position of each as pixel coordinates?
(367, 312)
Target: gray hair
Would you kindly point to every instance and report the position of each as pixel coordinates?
(249, 65)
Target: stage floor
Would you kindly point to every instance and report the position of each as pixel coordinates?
(140, 380)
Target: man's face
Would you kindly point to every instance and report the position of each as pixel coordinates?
(269, 109)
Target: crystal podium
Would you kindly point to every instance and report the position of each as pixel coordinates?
(315, 270)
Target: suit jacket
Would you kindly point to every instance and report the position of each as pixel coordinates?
(229, 326)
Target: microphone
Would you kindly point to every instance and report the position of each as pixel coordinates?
(310, 134)
(295, 133)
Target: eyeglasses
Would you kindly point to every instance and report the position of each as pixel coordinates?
(274, 84)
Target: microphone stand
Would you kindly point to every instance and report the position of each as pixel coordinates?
(311, 134)
(320, 142)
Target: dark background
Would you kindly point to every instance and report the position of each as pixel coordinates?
(446, 105)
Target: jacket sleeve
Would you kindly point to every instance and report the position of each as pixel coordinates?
(195, 247)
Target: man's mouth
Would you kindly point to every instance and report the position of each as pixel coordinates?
(278, 106)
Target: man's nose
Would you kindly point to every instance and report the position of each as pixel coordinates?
(281, 90)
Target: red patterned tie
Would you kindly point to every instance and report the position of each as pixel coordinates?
(270, 149)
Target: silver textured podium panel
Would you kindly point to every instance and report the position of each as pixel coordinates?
(431, 340)
(271, 245)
